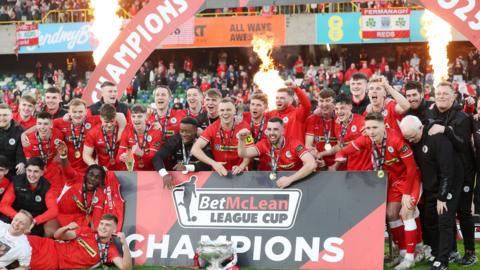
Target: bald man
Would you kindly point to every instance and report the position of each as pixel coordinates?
(438, 161)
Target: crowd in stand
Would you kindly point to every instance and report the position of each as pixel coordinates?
(327, 117)
(29, 10)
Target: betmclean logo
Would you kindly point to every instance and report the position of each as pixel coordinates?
(234, 209)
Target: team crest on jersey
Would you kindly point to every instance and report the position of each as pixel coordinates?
(390, 149)
(11, 141)
(88, 125)
(2, 190)
(299, 148)
(466, 189)
(285, 119)
(173, 120)
(38, 198)
(95, 200)
(149, 138)
(425, 149)
(57, 141)
(449, 196)
(354, 128)
(385, 113)
(288, 154)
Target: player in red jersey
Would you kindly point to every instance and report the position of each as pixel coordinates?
(163, 117)
(32, 192)
(293, 117)
(104, 140)
(4, 181)
(24, 117)
(74, 131)
(348, 127)
(282, 153)
(320, 134)
(222, 138)
(81, 247)
(141, 139)
(42, 141)
(83, 203)
(390, 152)
(257, 120)
(392, 109)
(194, 101)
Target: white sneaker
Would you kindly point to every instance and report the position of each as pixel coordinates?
(405, 264)
(394, 262)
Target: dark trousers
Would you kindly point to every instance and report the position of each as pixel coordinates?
(464, 214)
(438, 229)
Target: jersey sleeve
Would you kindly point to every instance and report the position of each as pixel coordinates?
(58, 123)
(113, 253)
(310, 126)
(208, 134)
(391, 110)
(262, 147)
(28, 151)
(298, 148)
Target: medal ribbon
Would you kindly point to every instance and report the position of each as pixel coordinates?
(43, 154)
(326, 132)
(88, 210)
(110, 147)
(379, 161)
(77, 143)
(273, 159)
(164, 127)
(186, 159)
(344, 129)
(222, 137)
(103, 251)
(145, 135)
(252, 129)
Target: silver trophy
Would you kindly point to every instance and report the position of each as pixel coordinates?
(216, 252)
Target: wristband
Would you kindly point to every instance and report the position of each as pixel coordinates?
(163, 172)
(190, 167)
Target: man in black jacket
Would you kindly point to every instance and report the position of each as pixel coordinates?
(109, 96)
(179, 147)
(441, 181)
(450, 120)
(10, 143)
(358, 88)
(415, 96)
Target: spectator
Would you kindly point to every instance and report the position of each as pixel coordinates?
(352, 70)
(366, 70)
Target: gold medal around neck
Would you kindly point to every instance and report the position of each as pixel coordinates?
(328, 147)
(380, 174)
(272, 176)
(77, 154)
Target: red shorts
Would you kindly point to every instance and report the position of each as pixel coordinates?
(44, 254)
(394, 191)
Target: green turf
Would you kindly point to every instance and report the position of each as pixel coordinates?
(420, 266)
(424, 265)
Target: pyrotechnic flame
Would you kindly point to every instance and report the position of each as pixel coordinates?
(267, 78)
(439, 34)
(106, 25)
